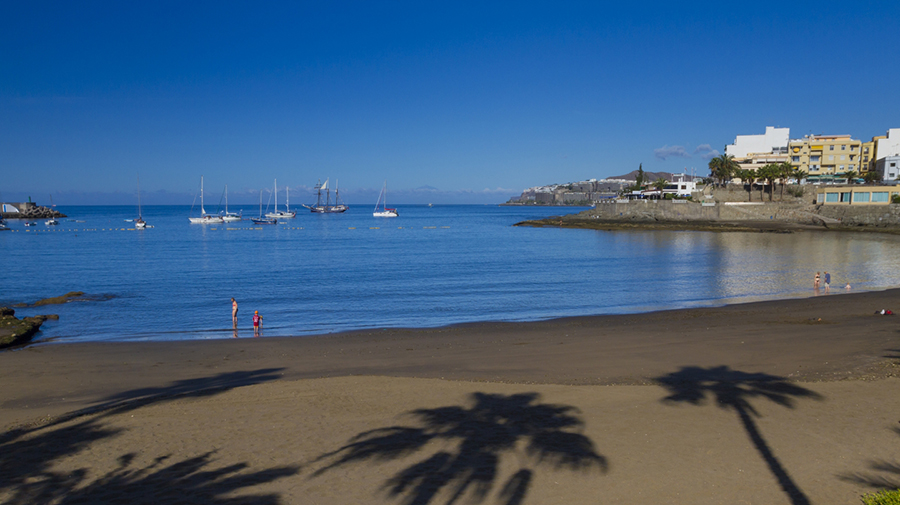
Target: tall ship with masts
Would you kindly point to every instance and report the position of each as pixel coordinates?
(327, 207)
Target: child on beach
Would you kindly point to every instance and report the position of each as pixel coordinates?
(257, 320)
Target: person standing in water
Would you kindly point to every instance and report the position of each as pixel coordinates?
(233, 313)
(816, 282)
(257, 321)
(827, 281)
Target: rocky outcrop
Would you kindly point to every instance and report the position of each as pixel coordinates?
(55, 300)
(15, 331)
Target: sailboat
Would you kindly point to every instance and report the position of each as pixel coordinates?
(285, 214)
(326, 207)
(230, 216)
(385, 211)
(204, 217)
(261, 219)
(139, 223)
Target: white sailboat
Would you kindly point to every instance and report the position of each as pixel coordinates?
(204, 217)
(326, 207)
(385, 211)
(230, 216)
(278, 214)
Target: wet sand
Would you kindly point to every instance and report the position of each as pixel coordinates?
(773, 402)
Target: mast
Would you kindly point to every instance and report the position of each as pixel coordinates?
(139, 198)
(226, 199)
(202, 210)
(287, 198)
(276, 195)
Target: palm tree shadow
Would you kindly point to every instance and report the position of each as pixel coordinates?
(494, 425)
(733, 389)
(888, 479)
(28, 453)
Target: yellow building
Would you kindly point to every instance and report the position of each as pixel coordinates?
(825, 156)
(870, 154)
(856, 195)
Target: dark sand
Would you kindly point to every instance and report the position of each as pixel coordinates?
(773, 402)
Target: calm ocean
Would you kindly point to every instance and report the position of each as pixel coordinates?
(432, 266)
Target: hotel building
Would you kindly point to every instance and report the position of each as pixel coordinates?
(825, 156)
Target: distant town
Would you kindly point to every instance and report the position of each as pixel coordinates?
(751, 159)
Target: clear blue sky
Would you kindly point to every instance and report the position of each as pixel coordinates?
(472, 101)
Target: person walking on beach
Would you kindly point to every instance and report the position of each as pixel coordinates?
(827, 281)
(816, 282)
(233, 313)
(257, 320)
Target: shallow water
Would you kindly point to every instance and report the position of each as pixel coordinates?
(432, 266)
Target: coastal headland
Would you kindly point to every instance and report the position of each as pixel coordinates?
(790, 401)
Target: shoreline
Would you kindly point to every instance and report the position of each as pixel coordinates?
(751, 226)
(823, 338)
(786, 401)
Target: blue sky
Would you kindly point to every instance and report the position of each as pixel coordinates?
(452, 102)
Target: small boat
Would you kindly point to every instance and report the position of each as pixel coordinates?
(204, 217)
(51, 222)
(3, 226)
(385, 211)
(139, 223)
(278, 214)
(229, 217)
(30, 223)
(261, 219)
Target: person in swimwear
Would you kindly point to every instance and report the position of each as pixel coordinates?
(233, 313)
(257, 320)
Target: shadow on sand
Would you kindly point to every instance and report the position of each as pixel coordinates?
(28, 456)
(733, 389)
(493, 426)
(887, 478)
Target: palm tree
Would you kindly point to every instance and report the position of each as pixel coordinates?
(660, 185)
(872, 177)
(785, 171)
(850, 175)
(800, 175)
(746, 177)
(723, 167)
(768, 174)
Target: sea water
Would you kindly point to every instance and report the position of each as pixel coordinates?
(429, 267)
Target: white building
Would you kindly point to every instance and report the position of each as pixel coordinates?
(888, 167)
(889, 146)
(775, 140)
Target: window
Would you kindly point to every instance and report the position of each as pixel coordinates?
(843, 148)
(866, 150)
(831, 197)
(814, 158)
(893, 164)
(853, 148)
(845, 197)
(851, 157)
(880, 196)
(843, 157)
(820, 198)
(830, 157)
(795, 159)
(841, 168)
(861, 197)
(831, 148)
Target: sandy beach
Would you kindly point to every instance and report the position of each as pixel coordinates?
(764, 403)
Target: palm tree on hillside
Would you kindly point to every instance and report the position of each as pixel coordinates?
(723, 167)
(872, 177)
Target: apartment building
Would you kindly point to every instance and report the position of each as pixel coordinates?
(825, 156)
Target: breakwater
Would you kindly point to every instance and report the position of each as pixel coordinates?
(27, 210)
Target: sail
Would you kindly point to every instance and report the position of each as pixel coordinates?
(324, 184)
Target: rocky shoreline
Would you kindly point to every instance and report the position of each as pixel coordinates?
(15, 331)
